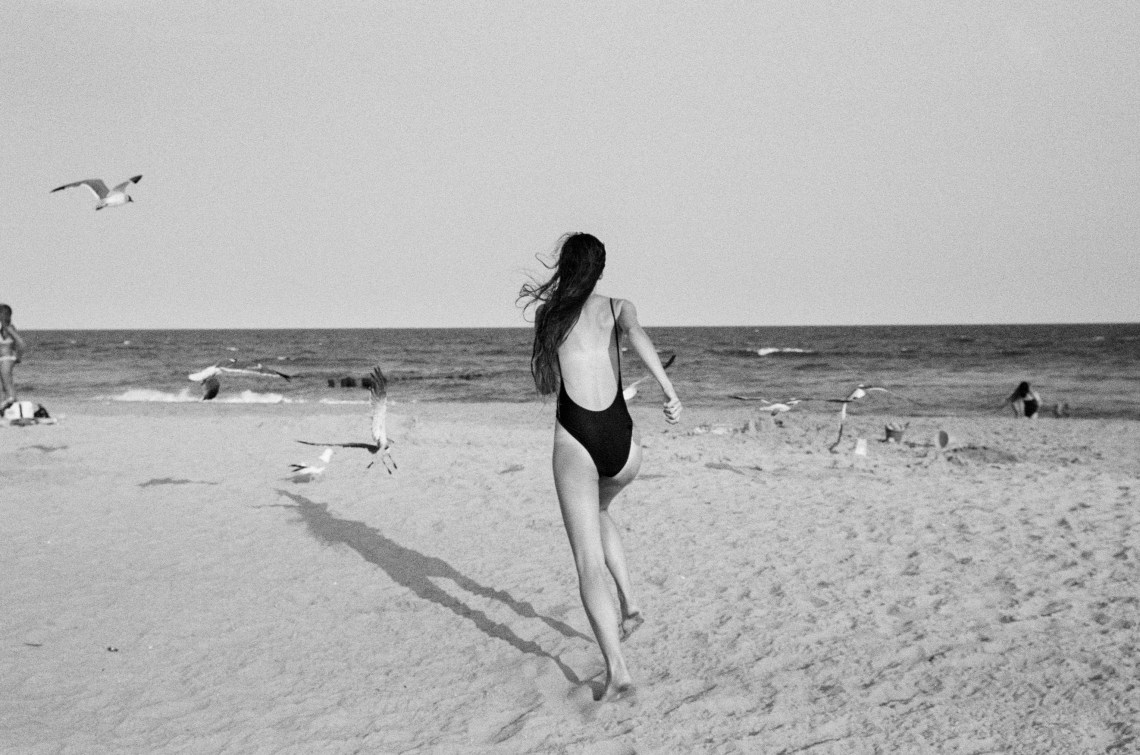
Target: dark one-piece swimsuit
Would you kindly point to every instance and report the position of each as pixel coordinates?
(606, 435)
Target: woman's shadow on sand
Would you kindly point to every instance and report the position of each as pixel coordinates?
(412, 569)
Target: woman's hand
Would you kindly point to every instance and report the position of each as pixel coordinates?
(672, 410)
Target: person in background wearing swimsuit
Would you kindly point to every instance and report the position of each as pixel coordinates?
(597, 450)
(11, 351)
(1025, 401)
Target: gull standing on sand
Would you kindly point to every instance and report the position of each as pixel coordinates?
(107, 197)
(378, 398)
(209, 376)
(308, 472)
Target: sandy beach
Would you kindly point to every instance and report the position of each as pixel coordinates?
(168, 589)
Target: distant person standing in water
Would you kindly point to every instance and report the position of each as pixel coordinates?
(11, 352)
(1025, 401)
(597, 450)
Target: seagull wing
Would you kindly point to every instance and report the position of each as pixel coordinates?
(366, 446)
(631, 389)
(299, 469)
(125, 184)
(209, 372)
(278, 373)
(258, 372)
(304, 473)
(378, 397)
(95, 184)
(267, 371)
(862, 391)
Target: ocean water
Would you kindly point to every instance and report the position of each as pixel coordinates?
(930, 370)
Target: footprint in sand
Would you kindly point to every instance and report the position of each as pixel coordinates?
(173, 481)
(983, 455)
(43, 449)
(732, 468)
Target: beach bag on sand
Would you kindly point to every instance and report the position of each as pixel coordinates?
(20, 410)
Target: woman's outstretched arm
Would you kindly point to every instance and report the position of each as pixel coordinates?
(643, 345)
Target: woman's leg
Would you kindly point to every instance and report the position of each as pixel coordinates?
(7, 382)
(576, 481)
(608, 488)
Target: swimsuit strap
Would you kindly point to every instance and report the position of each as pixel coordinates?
(617, 340)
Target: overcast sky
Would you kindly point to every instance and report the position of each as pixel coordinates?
(384, 164)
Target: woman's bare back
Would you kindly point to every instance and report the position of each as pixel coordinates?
(588, 358)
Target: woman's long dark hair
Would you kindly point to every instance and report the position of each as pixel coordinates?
(580, 261)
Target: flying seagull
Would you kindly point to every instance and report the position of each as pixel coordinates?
(859, 392)
(309, 472)
(631, 389)
(107, 197)
(378, 398)
(771, 407)
(779, 407)
(209, 376)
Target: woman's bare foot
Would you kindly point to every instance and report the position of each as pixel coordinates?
(631, 622)
(619, 686)
(615, 692)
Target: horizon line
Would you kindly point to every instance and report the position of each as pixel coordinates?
(528, 327)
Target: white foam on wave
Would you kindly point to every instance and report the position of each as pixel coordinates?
(149, 394)
(185, 395)
(782, 350)
(253, 397)
(342, 401)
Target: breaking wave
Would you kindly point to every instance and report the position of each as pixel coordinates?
(149, 394)
(186, 395)
(768, 350)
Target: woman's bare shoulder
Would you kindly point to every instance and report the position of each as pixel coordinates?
(625, 311)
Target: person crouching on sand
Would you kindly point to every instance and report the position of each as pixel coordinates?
(1025, 401)
(11, 352)
(597, 450)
